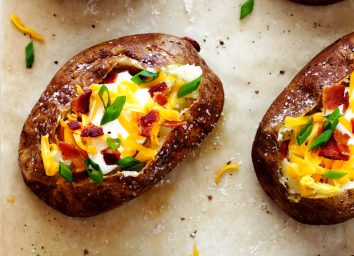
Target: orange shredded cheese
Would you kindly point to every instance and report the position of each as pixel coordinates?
(10, 199)
(29, 31)
(195, 250)
(223, 170)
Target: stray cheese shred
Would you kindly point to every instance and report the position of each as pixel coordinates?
(29, 31)
(225, 169)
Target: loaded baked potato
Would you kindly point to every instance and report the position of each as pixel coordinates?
(115, 119)
(317, 2)
(303, 152)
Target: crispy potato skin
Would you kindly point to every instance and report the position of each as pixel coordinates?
(91, 66)
(303, 94)
(316, 2)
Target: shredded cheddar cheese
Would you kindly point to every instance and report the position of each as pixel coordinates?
(29, 31)
(224, 169)
(48, 152)
(10, 199)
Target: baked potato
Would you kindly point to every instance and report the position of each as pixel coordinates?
(316, 2)
(303, 150)
(115, 119)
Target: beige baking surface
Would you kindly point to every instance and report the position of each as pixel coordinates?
(170, 218)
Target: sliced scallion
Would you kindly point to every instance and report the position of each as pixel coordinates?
(29, 55)
(334, 175)
(94, 171)
(304, 132)
(129, 163)
(144, 77)
(246, 8)
(113, 111)
(102, 90)
(189, 87)
(65, 172)
(113, 143)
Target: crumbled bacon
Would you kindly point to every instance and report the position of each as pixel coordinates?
(342, 142)
(333, 96)
(346, 102)
(110, 156)
(68, 150)
(162, 88)
(160, 99)
(91, 131)
(73, 125)
(331, 151)
(173, 123)
(111, 78)
(145, 122)
(284, 148)
(81, 104)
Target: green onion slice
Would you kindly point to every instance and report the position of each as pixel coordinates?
(29, 55)
(144, 77)
(94, 171)
(321, 139)
(65, 172)
(189, 87)
(113, 143)
(112, 112)
(129, 163)
(246, 8)
(334, 175)
(332, 119)
(304, 132)
(102, 90)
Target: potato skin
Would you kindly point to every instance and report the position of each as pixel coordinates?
(91, 66)
(316, 2)
(303, 94)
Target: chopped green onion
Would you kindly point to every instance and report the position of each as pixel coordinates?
(332, 119)
(102, 90)
(94, 171)
(113, 111)
(329, 127)
(189, 87)
(29, 55)
(334, 175)
(304, 132)
(113, 143)
(65, 172)
(144, 77)
(129, 163)
(321, 139)
(246, 8)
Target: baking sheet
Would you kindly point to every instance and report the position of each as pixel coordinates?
(247, 55)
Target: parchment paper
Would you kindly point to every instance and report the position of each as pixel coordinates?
(248, 56)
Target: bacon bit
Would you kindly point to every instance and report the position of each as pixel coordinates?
(342, 142)
(145, 122)
(68, 150)
(73, 125)
(173, 124)
(111, 78)
(331, 151)
(110, 156)
(81, 104)
(91, 131)
(346, 102)
(284, 148)
(160, 99)
(162, 88)
(333, 96)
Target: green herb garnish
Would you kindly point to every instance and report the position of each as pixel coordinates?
(246, 8)
(94, 171)
(29, 55)
(334, 175)
(102, 90)
(129, 163)
(329, 127)
(189, 87)
(112, 112)
(113, 143)
(304, 132)
(144, 77)
(65, 172)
